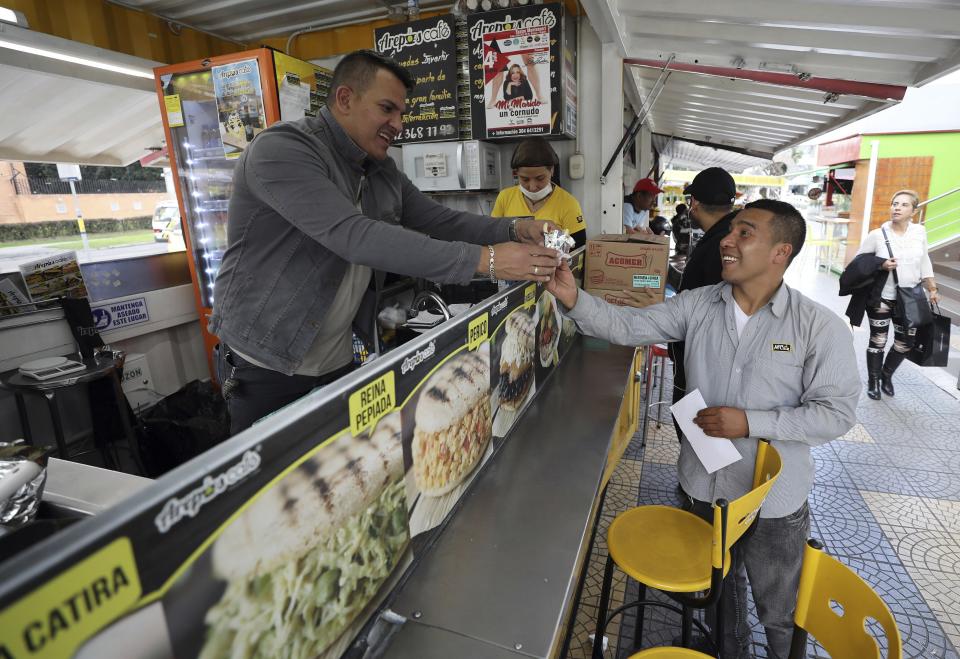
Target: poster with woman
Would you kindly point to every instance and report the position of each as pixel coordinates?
(516, 66)
(239, 105)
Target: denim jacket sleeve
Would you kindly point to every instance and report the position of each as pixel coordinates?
(293, 176)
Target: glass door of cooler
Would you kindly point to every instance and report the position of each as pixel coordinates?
(205, 174)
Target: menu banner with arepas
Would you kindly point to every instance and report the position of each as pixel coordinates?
(427, 49)
(286, 539)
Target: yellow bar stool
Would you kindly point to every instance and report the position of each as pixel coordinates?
(680, 554)
(833, 604)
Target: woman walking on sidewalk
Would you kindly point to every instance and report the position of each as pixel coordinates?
(908, 244)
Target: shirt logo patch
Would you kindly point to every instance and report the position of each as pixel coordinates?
(782, 347)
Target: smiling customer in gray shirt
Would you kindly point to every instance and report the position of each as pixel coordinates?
(771, 364)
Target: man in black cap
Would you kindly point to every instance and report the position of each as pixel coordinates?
(712, 194)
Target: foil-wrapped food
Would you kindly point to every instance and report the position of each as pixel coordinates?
(22, 476)
(560, 241)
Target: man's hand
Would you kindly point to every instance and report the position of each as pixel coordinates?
(519, 261)
(563, 286)
(729, 422)
(641, 298)
(531, 231)
(889, 264)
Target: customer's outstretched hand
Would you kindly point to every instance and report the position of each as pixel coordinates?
(564, 286)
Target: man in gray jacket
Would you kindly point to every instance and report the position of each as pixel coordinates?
(770, 364)
(317, 206)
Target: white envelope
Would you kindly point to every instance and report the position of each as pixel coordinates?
(714, 452)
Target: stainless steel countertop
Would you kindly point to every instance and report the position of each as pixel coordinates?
(87, 489)
(504, 570)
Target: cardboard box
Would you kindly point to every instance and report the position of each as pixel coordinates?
(618, 262)
(638, 299)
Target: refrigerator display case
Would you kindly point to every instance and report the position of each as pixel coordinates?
(211, 110)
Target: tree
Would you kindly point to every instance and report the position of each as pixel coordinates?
(132, 172)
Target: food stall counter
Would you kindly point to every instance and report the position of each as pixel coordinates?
(505, 569)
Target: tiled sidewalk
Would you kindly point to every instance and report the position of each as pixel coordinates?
(886, 502)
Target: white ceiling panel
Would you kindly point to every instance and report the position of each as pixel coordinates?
(757, 75)
(58, 111)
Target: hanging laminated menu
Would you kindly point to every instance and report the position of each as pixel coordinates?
(427, 50)
(239, 105)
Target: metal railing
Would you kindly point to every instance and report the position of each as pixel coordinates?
(924, 220)
(30, 186)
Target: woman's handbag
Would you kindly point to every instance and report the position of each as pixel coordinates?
(932, 345)
(912, 308)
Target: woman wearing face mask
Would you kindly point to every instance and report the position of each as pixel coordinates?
(534, 162)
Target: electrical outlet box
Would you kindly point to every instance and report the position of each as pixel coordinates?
(577, 166)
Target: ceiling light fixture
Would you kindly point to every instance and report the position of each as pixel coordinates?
(83, 61)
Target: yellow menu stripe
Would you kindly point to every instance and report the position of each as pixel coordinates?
(371, 402)
(477, 331)
(55, 619)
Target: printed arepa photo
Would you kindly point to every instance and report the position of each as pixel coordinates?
(453, 424)
(549, 330)
(517, 349)
(312, 553)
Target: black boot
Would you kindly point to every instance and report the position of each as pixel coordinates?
(893, 361)
(874, 364)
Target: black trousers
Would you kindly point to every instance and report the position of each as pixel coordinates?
(256, 392)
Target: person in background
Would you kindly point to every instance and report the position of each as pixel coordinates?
(771, 364)
(534, 163)
(637, 206)
(660, 226)
(911, 260)
(681, 229)
(318, 213)
(712, 193)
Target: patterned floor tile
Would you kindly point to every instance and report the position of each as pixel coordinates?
(902, 510)
(926, 549)
(858, 434)
(827, 500)
(933, 484)
(924, 459)
(831, 472)
(662, 451)
(845, 525)
(953, 633)
(850, 536)
(942, 592)
(947, 512)
(907, 405)
(877, 478)
(860, 452)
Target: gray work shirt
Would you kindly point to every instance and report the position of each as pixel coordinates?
(793, 371)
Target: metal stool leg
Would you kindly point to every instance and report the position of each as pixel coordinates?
(638, 628)
(602, 607)
(24, 419)
(51, 398)
(686, 630)
(645, 408)
(663, 370)
(133, 445)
